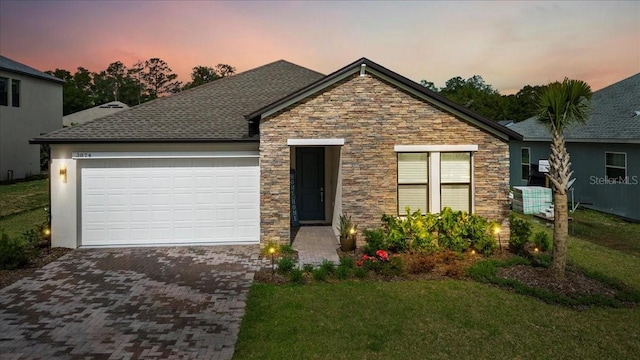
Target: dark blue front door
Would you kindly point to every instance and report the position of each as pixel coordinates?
(310, 183)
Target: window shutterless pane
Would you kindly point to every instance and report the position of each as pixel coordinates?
(413, 196)
(525, 172)
(616, 159)
(15, 93)
(616, 174)
(412, 168)
(525, 156)
(455, 168)
(4, 91)
(455, 196)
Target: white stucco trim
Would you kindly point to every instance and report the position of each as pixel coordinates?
(91, 155)
(435, 148)
(315, 142)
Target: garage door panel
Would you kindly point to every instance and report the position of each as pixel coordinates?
(169, 201)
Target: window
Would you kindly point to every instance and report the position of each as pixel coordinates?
(455, 181)
(413, 175)
(432, 177)
(4, 92)
(526, 163)
(616, 166)
(15, 93)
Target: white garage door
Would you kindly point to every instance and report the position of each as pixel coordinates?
(170, 201)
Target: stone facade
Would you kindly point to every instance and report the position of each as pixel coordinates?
(372, 116)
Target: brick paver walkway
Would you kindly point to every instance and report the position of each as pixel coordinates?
(127, 303)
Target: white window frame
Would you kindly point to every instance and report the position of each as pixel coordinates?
(458, 183)
(433, 181)
(522, 163)
(607, 166)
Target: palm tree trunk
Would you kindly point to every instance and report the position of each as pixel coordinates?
(560, 234)
(559, 175)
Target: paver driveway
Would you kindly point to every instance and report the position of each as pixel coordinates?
(167, 303)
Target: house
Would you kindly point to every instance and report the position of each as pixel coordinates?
(233, 160)
(30, 105)
(93, 113)
(605, 152)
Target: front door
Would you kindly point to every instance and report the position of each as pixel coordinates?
(310, 183)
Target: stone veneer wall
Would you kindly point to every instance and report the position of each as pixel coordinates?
(373, 116)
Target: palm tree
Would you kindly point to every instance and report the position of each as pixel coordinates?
(561, 104)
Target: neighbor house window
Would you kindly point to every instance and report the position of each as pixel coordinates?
(455, 181)
(4, 91)
(413, 176)
(15, 93)
(616, 166)
(525, 157)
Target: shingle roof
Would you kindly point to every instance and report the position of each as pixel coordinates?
(210, 112)
(613, 117)
(16, 67)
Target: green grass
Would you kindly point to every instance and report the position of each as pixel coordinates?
(426, 320)
(448, 319)
(22, 206)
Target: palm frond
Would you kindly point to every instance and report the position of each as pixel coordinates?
(563, 103)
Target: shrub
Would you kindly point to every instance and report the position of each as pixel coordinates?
(13, 253)
(319, 274)
(286, 249)
(308, 268)
(348, 262)
(375, 240)
(542, 240)
(343, 272)
(520, 233)
(285, 265)
(328, 267)
(360, 272)
(393, 267)
(420, 263)
(296, 276)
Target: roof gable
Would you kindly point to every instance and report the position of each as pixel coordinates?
(9, 65)
(367, 66)
(210, 112)
(613, 117)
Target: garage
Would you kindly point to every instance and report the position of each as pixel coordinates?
(151, 200)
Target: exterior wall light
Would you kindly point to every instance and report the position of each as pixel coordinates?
(63, 173)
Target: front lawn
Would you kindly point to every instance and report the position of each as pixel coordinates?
(425, 320)
(22, 206)
(445, 319)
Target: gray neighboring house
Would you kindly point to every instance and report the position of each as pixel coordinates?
(81, 117)
(605, 152)
(30, 105)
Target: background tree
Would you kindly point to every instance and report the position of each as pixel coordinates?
(76, 90)
(560, 105)
(203, 74)
(158, 78)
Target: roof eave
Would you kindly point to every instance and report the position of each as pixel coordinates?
(138, 141)
(51, 79)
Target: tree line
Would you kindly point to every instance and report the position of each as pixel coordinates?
(141, 82)
(480, 97)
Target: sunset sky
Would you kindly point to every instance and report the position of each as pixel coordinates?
(510, 44)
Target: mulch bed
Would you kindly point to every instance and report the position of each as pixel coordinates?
(8, 277)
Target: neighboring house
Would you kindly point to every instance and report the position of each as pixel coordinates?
(30, 105)
(605, 152)
(81, 117)
(214, 164)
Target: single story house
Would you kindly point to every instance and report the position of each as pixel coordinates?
(30, 105)
(81, 117)
(605, 152)
(231, 161)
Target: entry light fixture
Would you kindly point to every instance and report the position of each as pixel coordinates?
(63, 173)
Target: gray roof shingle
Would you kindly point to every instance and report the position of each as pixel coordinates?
(612, 119)
(16, 67)
(210, 112)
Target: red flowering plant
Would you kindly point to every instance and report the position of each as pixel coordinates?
(369, 261)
